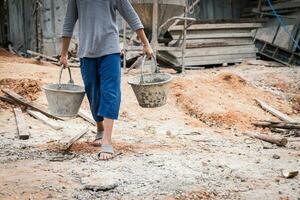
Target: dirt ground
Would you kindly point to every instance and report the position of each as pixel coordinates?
(191, 148)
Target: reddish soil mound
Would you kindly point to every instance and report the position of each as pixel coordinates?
(120, 147)
(224, 100)
(199, 195)
(27, 88)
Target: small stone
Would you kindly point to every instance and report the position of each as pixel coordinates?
(169, 133)
(99, 182)
(275, 156)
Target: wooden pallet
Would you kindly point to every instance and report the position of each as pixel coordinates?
(213, 44)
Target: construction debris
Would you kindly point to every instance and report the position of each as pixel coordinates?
(86, 116)
(281, 125)
(281, 142)
(67, 143)
(275, 112)
(23, 131)
(45, 119)
(21, 100)
(289, 174)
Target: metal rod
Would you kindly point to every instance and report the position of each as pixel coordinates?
(184, 42)
(124, 43)
(155, 29)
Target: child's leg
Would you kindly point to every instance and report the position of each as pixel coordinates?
(89, 71)
(110, 99)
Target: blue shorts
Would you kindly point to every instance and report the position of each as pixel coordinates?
(102, 82)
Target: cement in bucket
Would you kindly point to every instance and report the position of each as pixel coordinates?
(64, 100)
(151, 90)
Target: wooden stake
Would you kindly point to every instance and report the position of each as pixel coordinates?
(23, 130)
(281, 142)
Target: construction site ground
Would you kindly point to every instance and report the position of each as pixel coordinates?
(191, 148)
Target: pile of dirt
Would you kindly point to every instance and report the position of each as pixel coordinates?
(198, 195)
(296, 103)
(27, 88)
(120, 147)
(223, 100)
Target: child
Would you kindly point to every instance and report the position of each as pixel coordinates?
(99, 54)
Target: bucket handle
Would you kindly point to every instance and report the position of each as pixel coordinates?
(71, 81)
(142, 67)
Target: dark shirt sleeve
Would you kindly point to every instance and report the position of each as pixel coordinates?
(128, 13)
(70, 19)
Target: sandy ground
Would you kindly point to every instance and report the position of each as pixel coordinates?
(192, 148)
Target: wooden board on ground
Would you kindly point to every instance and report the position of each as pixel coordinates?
(8, 100)
(281, 142)
(275, 112)
(264, 63)
(53, 124)
(42, 55)
(67, 143)
(86, 116)
(21, 100)
(281, 125)
(23, 130)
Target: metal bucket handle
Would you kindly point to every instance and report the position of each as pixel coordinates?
(71, 81)
(142, 67)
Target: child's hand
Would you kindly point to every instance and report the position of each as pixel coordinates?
(148, 50)
(64, 60)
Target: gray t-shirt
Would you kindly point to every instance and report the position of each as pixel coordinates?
(98, 30)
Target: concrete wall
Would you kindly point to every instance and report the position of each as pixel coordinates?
(21, 24)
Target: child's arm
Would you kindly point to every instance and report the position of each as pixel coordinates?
(128, 13)
(68, 27)
(147, 48)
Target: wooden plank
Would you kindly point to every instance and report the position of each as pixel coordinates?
(281, 125)
(218, 26)
(201, 43)
(45, 119)
(281, 142)
(8, 100)
(21, 100)
(275, 112)
(23, 130)
(210, 51)
(68, 144)
(205, 32)
(221, 57)
(215, 62)
(216, 35)
(42, 55)
(86, 116)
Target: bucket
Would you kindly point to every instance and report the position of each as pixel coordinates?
(64, 100)
(151, 90)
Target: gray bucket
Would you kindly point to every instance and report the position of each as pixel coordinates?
(151, 90)
(64, 100)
